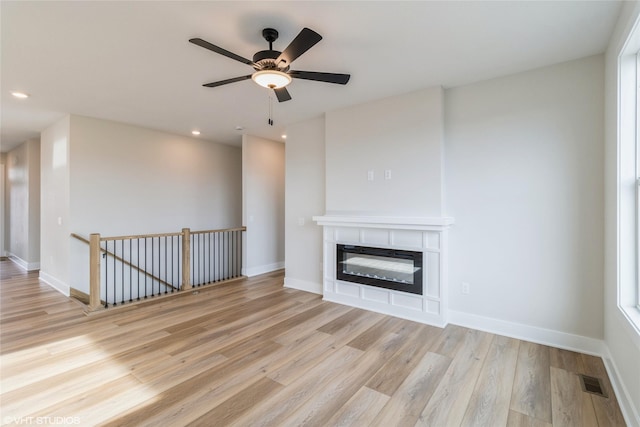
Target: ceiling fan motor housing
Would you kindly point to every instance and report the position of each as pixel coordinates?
(266, 60)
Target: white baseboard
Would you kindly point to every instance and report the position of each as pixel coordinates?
(629, 410)
(262, 269)
(534, 334)
(29, 266)
(303, 285)
(55, 283)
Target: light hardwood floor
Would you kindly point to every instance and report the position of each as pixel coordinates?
(252, 353)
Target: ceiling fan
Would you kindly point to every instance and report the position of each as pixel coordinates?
(272, 67)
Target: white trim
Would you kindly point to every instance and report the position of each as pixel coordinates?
(303, 285)
(630, 319)
(56, 284)
(524, 332)
(629, 411)
(25, 265)
(414, 315)
(627, 225)
(398, 223)
(262, 269)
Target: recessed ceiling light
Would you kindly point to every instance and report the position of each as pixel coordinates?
(284, 136)
(20, 95)
(239, 127)
(195, 132)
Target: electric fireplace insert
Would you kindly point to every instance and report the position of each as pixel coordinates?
(395, 269)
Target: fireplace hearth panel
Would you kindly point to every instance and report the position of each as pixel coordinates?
(394, 269)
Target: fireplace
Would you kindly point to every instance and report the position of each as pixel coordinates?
(395, 269)
(392, 265)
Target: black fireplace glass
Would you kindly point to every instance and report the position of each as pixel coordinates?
(386, 268)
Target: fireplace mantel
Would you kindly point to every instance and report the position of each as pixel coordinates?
(398, 223)
(425, 234)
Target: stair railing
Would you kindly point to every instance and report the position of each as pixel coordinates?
(124, 269)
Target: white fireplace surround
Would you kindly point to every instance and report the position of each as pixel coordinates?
(422, 234)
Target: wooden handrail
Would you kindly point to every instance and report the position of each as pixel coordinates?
(139, 236)
(124, 261)
(220, 230)
(143, 236)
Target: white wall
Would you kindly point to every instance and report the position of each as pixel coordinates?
(620, 336)
(305, 189)
(403, 134)
(524, 181)
(262, 204)
(54, 215)
(124, 179)
(23, 207)
(131, 180)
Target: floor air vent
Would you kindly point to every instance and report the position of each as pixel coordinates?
(592, 385)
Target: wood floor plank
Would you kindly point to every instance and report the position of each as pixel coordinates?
(369, 337)
(408, 401)
(489, 403)
(531, 388)
(327, 400)
(449, 341)
(448, 404)
(93, 408)
(323, 314)
(361, 410)
(187, 400)
(566, 359)
(252, 352)
(399, 367)
(52, 390)
(570, 405)
(518, 419)
(31, 372)
(298, 366)
(607, 409)
(273, 411)
(239, 403)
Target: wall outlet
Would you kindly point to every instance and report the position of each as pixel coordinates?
(464, 289)
(301, 220)
(370, 175)
(387, 174)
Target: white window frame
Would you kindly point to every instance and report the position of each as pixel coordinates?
(628, 165)
(637, 147)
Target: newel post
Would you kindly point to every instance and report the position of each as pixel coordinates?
(94, 271)
(186, 258)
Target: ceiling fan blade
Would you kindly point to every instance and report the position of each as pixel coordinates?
(282, 94)
(205, 44)
(224, 82)
(304, 41)
(340, 79)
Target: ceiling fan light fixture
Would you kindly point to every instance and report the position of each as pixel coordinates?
(271, 79)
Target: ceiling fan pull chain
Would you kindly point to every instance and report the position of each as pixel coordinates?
(270, 121)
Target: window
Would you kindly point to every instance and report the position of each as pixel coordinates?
(628, 126)
(637, 167)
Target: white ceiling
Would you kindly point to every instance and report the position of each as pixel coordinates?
(131, 61)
